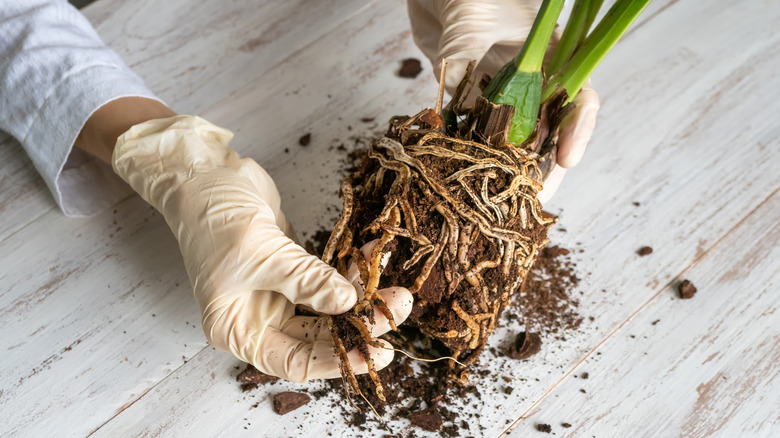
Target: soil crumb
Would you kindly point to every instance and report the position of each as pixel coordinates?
(410, 68)
(428, 419)
(645, 250)
(289, 401)
(525, 346)
(546, 428)
(305, 140)
(686, 289)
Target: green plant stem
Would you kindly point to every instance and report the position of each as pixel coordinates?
(593, 11)
(595, 47)
(531, 55)
(519, 82)
(573, 35)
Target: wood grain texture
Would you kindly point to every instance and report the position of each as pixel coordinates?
(23, 193)
(106, 336)
(704, 367)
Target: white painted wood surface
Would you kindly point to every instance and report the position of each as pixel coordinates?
(101, 334)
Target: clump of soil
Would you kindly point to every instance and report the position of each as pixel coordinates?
(524, 346)
(645, 250)
(543, 427)
(686, 289)
(410, 68)
(288, 401)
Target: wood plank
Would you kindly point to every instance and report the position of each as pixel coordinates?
(662, 174)
(23, 193)
(193, 54)
(102, 314)
(677, 156)
(709, 366)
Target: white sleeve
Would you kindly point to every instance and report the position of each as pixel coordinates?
(54, 73)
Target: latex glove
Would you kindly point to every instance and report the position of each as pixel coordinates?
(247, 272)
(492, 32)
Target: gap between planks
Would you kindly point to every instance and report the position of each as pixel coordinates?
(661, 290)
(141, 395)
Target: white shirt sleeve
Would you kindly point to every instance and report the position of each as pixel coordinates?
(54, 73)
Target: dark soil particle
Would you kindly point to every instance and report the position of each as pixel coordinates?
(305, 140)
(288, 401)
(584, 375)
(565, 425)
(543, 427)
(428, 419)
(525, 346)
(686, 289)
(410, 68)
(645, 250)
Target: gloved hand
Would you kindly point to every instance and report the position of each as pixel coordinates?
(492, 32)
(247, 272)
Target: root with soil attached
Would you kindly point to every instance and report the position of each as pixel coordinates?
(457, 222)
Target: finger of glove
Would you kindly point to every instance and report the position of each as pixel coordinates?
(298, 361)
(552, 183)
(282, 266)
(313, 328)
(471, 28)
(577, 128)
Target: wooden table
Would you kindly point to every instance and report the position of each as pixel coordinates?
(101, 335)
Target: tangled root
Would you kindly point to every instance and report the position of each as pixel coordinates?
(460, 216)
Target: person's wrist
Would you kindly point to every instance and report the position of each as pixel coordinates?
(100, 132)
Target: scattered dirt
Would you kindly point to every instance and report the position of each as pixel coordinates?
(645, 250)
(305, 140)
(545, 306)
(525, 346)
(584, 376)
(410, 68)
(289, 401)
(543, 427)
(546, 303)
(686, 289)
(565, 425)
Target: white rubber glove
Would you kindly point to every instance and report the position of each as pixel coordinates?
(492, 32)
(247, 272)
